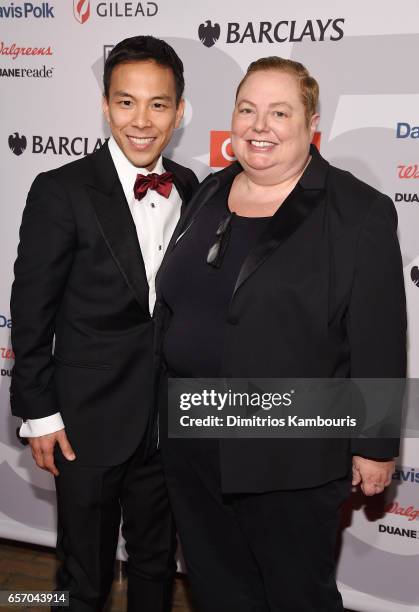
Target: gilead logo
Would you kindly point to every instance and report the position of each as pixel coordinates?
(81, 10)
(221, 151)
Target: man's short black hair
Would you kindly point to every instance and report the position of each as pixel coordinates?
(143, 48)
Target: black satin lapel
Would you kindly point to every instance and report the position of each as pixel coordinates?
(118, 229)
(181, 191)
(199, 199)
(172, 240)
(203, 195)
(296, 208)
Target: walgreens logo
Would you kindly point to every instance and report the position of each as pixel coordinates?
(409, 512)
(408, 171)
(14, 50)
(6, 353)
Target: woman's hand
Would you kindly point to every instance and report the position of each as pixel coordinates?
(372, 475)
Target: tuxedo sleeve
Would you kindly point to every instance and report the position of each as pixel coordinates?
(377, 319)
(45, 255)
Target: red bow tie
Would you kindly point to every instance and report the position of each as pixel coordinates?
(162, 183)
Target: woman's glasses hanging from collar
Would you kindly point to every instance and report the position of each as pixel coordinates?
(222, 236)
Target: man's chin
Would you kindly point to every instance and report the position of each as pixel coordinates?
(142, 160)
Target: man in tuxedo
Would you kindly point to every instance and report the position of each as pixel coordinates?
(93, 235)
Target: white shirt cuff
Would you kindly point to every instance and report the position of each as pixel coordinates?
(32, 428)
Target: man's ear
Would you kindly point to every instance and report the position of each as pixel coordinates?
(105, 108)
(180, 112)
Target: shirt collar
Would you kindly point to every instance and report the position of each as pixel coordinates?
(126, 171)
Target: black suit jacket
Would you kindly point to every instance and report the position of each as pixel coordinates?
(320, 296)
(80, 277)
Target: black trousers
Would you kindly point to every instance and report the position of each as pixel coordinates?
(271, 552)
(90, 501)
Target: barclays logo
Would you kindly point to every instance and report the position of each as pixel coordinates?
(55, 145)
(17, 143)
(316, 30)
(208, 33)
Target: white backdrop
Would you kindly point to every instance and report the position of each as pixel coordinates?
(364, 55)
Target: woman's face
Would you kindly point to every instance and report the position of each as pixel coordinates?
(270, 135)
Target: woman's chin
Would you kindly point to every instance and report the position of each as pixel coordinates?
(257, 163)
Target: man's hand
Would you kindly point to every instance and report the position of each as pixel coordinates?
(373, 476)
(43, 450)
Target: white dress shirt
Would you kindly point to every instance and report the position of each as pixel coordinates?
(155, 219)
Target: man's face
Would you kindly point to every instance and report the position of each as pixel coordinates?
(141, 110)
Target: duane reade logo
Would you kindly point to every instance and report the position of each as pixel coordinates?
(55, 145)
(409, 198)
(399, 531)
(316, 30)
(17, 143)
(30, 73)
(208, 33)
(27, 10)
(81, 10)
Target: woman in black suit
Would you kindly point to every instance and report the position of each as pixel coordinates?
(285, 267)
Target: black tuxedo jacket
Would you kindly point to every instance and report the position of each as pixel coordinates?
(320, 296)
(80, 285)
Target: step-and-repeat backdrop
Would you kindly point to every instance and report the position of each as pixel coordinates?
(364, 55)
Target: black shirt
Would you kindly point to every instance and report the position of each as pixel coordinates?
(199, 294)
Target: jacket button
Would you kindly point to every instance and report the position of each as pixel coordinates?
(232, 320)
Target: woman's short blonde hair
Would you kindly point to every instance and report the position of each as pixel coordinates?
(308, 85)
